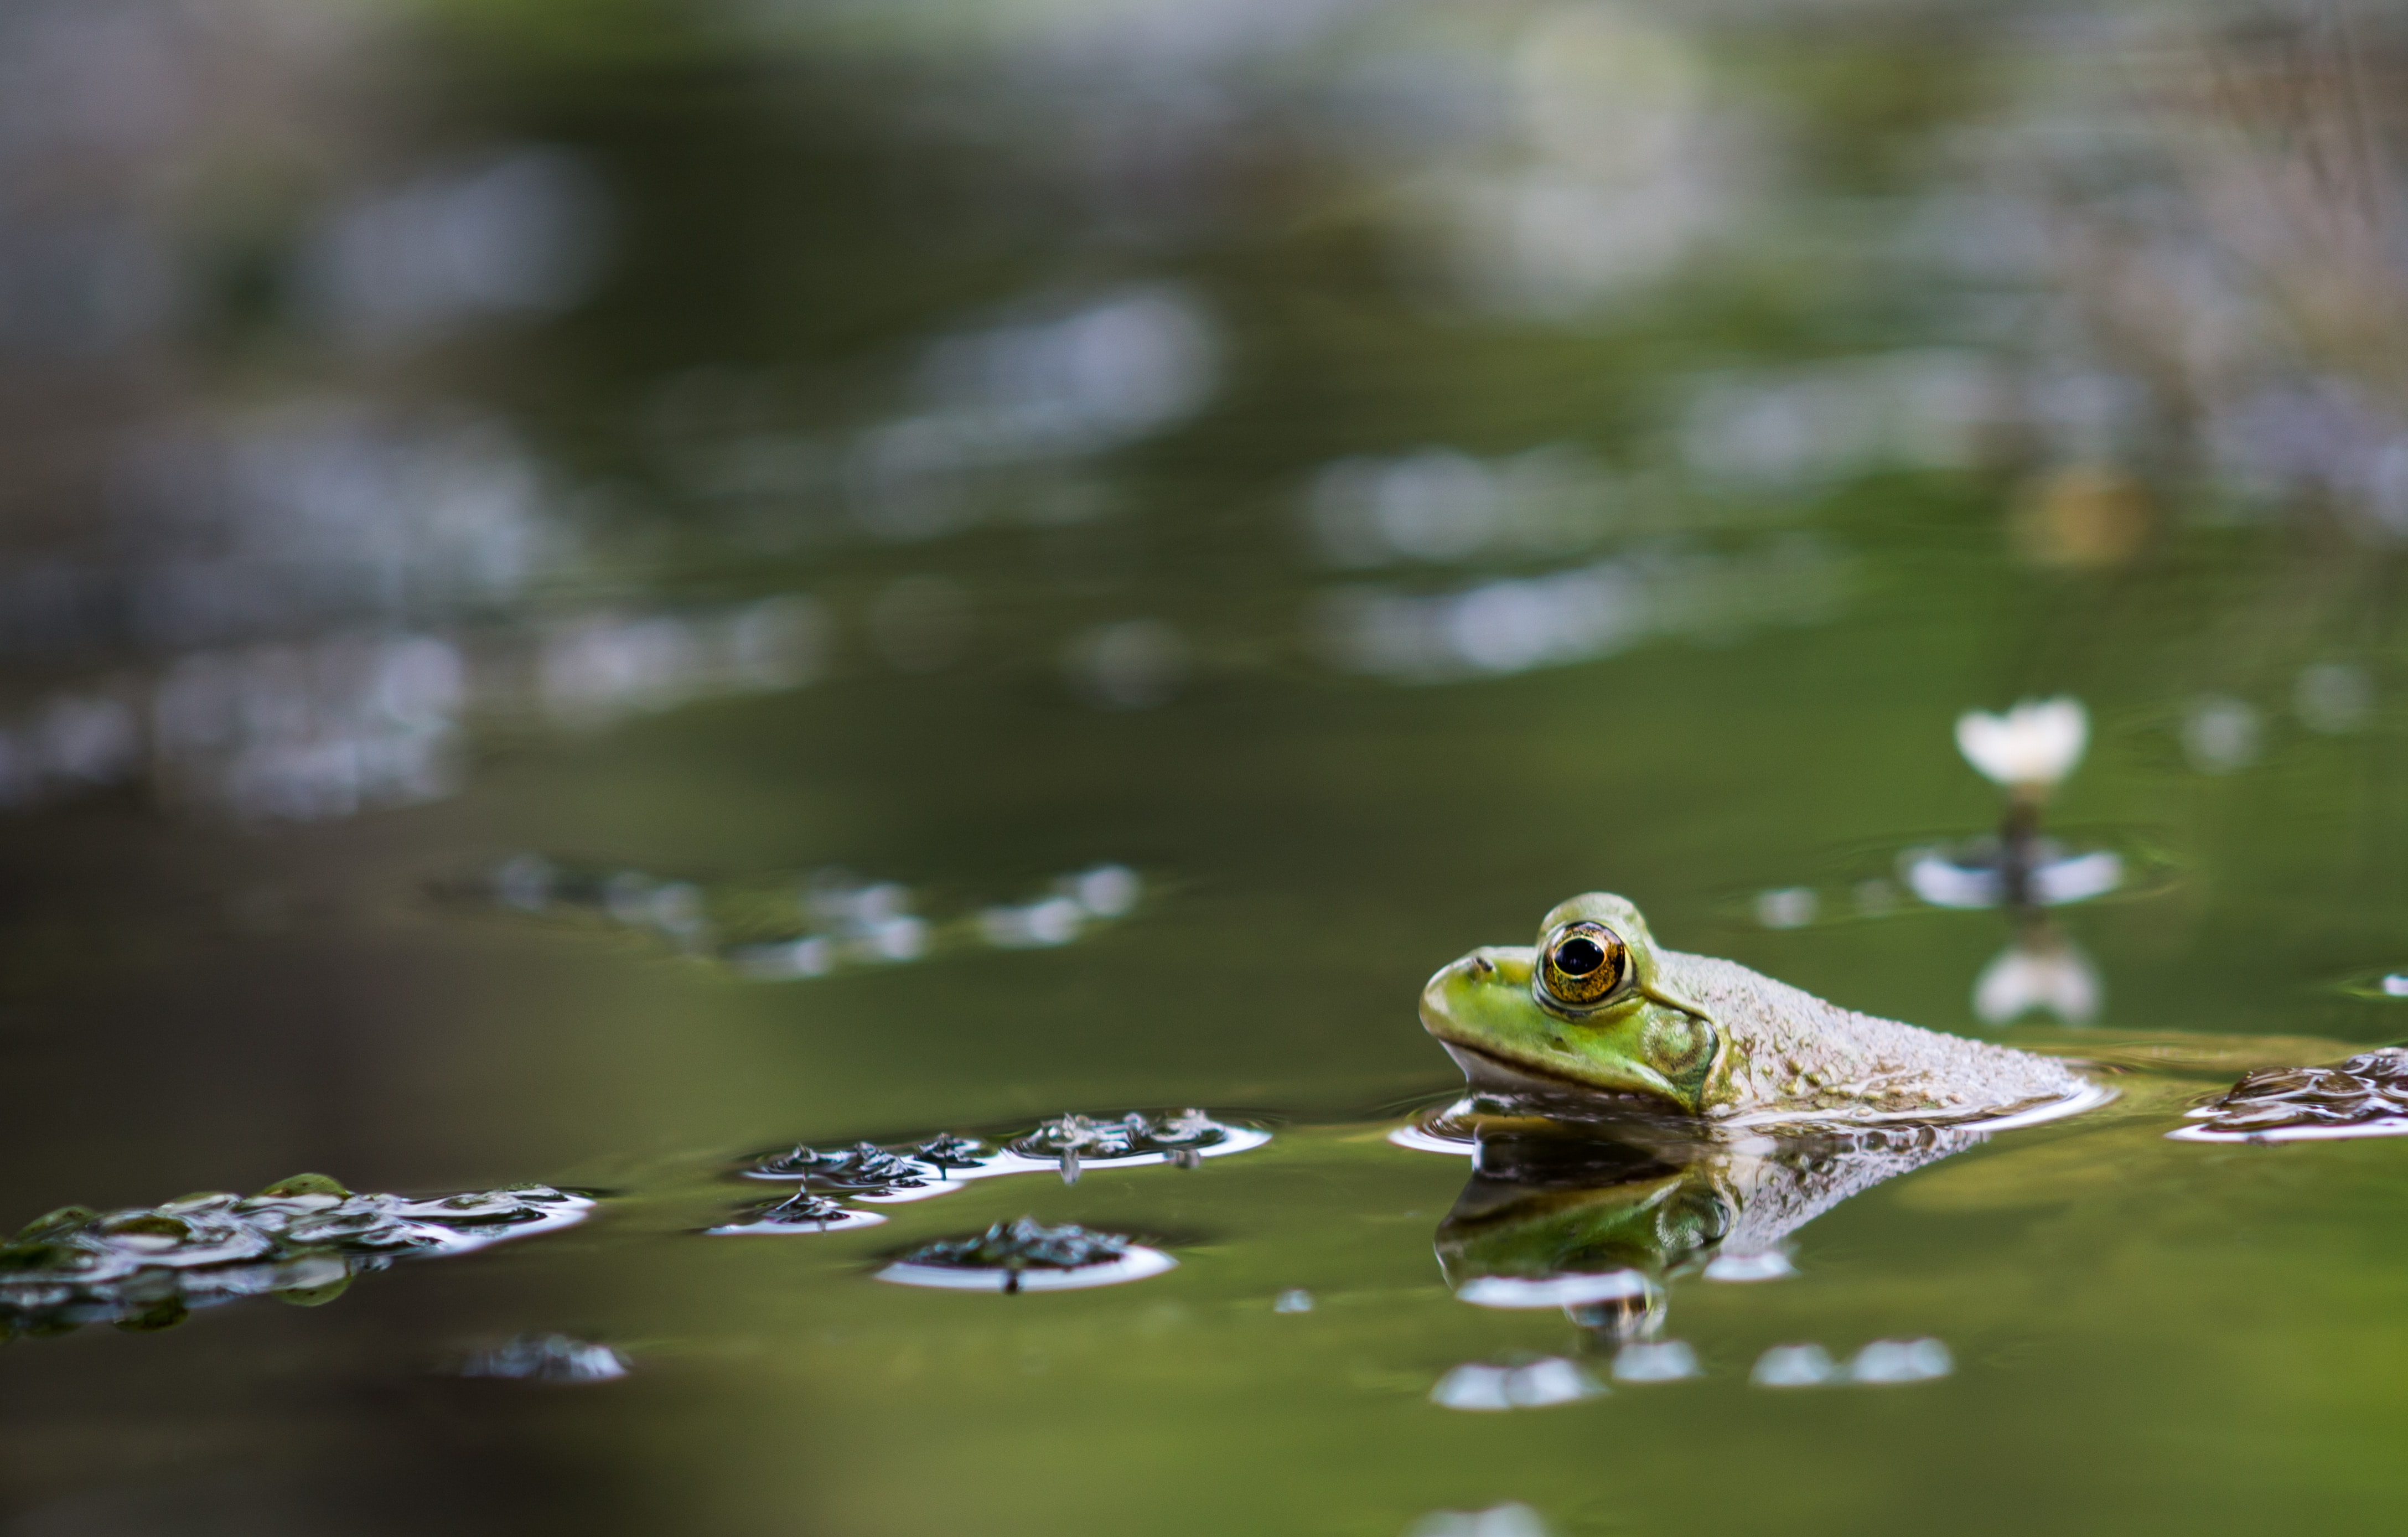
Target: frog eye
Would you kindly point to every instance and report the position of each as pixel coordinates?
(1583, 963)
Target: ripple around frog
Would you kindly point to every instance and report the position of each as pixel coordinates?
(900, 1171)
(1026, 1254)
(1458, 1126)
(2366, 1096)
(302, 1240)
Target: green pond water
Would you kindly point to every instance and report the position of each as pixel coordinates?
(1351, 475)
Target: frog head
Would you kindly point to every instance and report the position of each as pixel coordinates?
(1591, 1006)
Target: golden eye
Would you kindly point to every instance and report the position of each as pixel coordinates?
(1583, 963)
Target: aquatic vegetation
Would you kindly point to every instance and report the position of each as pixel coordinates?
(799, 1213)
(933, 1166)
(302, 1240)
(2366, 1096)
(863, 1169)
(1026, 1254)
(1182, 1137)
(547, 1358)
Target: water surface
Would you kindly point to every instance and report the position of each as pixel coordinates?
(1365, 472)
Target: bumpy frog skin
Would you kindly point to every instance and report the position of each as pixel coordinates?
(1598, 1005)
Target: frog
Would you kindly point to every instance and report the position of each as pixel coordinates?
(1597, 1009)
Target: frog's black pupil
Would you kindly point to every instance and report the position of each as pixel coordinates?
(1578, 957)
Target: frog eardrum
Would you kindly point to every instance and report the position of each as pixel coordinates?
(1581, 965)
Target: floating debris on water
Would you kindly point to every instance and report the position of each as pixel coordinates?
(799, 1213)
(302, 1238)
(769, 929)
(887, 1173)
(1655, 1360)
(1026, 1254)
(2366, 1096)
(1182, 1137)
(1537, 1386)
(865, 1172)
(547, 1358)
(1880, 1363)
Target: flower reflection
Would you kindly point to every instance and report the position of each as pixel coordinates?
(2041, 972)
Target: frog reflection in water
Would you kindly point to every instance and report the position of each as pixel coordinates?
(1597, 1007)
(1550, 1200)
(1638, 1110)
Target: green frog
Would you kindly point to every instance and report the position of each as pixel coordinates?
(1598, 1006)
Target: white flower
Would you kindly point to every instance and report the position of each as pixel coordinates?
(2032, 746)
(2048, 974)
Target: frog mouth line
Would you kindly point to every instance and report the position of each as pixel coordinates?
(1485, 1069)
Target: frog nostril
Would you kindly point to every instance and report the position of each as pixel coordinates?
(1483, 965)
